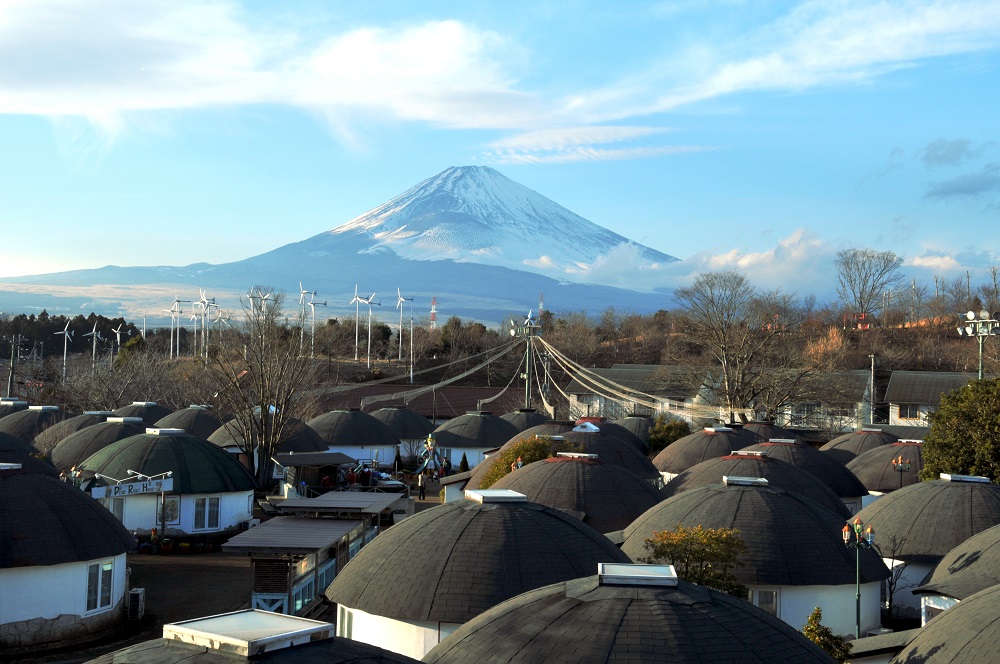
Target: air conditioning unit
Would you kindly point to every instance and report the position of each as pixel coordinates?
(247, 525)
(136, 603)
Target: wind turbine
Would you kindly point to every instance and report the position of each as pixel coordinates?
(399, 305)
(175, 316)
(67, 335)
(302, 313)
(118, 335)
(312, 308)
(368, 301)
(357, 316)
(96, 335)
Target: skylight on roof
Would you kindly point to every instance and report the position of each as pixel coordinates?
(577, 455)
(249, 632)
(730, 480)
(621, 574)
(164, 432)
(979, 479)
(495, 496)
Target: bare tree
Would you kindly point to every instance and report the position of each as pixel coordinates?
(259, 375)
(742, 330)
(897, 573)
(864, 276)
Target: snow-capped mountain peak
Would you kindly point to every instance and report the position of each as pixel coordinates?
(475, 214)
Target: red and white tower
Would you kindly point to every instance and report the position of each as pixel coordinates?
(434, 313)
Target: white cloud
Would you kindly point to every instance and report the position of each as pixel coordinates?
(819, 43)
(947, 263)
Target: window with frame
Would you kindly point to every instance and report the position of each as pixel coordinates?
(766, 600)
(206, 513)
(100, 577)
(909, 411)
(117, 507)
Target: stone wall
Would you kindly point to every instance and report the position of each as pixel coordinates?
(64, 630)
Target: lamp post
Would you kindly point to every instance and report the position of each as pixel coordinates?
(857, 537)
(900, 466)
(986, 325)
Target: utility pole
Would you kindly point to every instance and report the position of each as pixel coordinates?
(14, 341)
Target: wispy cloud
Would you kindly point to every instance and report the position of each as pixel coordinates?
(817, 44)
(573, 144)
(934, 262)
(969, 185)
(955, 152)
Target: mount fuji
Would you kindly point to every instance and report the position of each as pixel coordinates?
(481, 244)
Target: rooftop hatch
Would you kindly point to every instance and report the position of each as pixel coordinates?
(729, 480)
(495, 496)
(248, 632)
(948, 477)
(620, 574)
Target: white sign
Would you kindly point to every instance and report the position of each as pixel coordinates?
(133, 488)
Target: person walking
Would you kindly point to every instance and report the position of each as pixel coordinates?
(421, 485)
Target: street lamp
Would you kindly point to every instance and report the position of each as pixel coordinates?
(857, 537)
(984, 326)
(901, 466)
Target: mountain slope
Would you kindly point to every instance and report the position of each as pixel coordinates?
(474, 214)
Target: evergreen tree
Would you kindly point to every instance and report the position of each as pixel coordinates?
(964, 437)
(835, 646)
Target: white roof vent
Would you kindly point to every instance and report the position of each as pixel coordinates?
(577, 455)
(12, 401)
(717, 429)
(44, 408)
(249, 632)
(748, 453)
(587, 427)
(164, 432)
(147, 404)
(743, 481)
(787, 441)
(128, 420)
(620, 574)
(97, 412)
(948, 477)
(495, 496)
(870, 430)
(9, 466)
(557, 437)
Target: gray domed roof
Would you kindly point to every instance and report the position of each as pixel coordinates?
(877, 472)
(8, 406)
(844, 448)
(335, 650)
(475, 429)
(834, 475)
(405, 423)
(585, 620)
(299, 437)
(48, 522)
(604, 495)
(454, 561)
(606, 442)
(9, 443)
(525, 418)
(196, 420)
(77, 447)
(150, 411)
(791, 540)
(929, 519)
(967, 633)
(971, 566)
(29, 462)
(197, 465)
(777, 472)
(28, 423)
(49, 438)
(610, 429)
(709, 443)
(638, 425)
(768, 430)
(352, 427)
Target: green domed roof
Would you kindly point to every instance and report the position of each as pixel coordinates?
(197, 465)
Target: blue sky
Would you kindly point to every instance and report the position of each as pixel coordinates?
(763, 136)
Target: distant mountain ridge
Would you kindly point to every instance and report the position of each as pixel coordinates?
(480, 243)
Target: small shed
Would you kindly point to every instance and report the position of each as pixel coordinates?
(294, 559)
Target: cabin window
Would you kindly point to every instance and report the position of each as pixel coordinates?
(908, 411)
(206, 513)
(345, 623)
(766, 600)
(99, 580)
